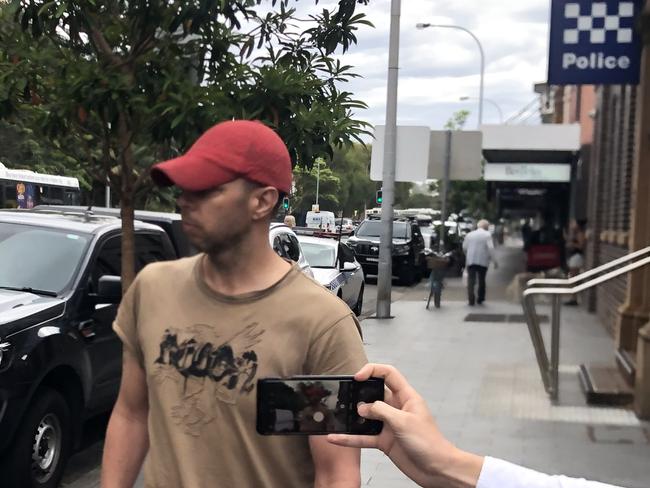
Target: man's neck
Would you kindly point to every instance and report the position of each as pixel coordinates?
(251, 266)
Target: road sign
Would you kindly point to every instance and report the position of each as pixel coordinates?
(412, 153)
(465, 158)
(421, 154)
(594, 42)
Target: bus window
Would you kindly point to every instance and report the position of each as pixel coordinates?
(71, 197)
(51, 195)
(10, 195)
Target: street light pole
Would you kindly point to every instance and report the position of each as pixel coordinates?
(385, 266)
(494, 104)
(317, 179)
(480, 48)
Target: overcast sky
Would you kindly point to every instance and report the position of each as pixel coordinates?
(438, 66)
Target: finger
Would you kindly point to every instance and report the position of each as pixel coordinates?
(346, 440)
(379, 411)
(392, 378)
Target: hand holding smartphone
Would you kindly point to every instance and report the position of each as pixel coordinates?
(316, 405)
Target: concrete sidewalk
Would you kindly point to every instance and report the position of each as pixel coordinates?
(483, 385)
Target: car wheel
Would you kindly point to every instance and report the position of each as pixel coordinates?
(43, 443)
(359, 305)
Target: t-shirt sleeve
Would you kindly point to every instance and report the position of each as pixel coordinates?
(497, 473)
(126, 322)
(338, 349)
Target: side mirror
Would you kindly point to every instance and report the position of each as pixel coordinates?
(349, 266)
(109, 289)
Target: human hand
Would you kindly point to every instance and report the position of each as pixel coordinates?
(410, 436)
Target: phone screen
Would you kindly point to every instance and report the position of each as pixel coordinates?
(312, 405)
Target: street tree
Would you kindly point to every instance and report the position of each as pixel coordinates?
(118, 85)
(306, 181)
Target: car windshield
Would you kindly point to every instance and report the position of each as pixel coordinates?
(39, 259)
(372, 228)
(319, 255)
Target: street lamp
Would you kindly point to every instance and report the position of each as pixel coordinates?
(480, 47)
(494, 104)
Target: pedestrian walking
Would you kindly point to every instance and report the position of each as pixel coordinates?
(199, 332)
(479, 251)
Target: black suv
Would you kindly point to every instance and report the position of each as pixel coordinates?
(60, 361)
(409, 264)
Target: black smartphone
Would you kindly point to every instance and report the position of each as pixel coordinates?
(315, 405)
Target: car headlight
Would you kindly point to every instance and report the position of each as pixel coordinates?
(5, 349)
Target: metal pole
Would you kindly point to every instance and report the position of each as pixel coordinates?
(385, 271)
(555, 347)
(317, 179)
(108, 196)
(444, 193)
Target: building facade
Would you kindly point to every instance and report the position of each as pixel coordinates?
(611, 190)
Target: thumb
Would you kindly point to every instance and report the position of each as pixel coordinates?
(379, 411)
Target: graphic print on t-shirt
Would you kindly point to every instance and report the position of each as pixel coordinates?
(203, 368)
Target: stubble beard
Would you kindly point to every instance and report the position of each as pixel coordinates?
(224, 244)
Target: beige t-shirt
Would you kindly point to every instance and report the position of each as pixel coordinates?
(203, 353)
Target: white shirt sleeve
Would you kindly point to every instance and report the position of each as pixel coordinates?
(497, 473)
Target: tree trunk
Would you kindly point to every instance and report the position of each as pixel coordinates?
(127, 202)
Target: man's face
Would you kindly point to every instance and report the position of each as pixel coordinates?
(219, 219)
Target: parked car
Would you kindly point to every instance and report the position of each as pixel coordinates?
(409, 264)
(281, 237)
(170, 222)
(60, 361)
(345, 226)
(335, 267)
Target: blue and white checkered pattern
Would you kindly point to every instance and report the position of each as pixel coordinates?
(598, 22)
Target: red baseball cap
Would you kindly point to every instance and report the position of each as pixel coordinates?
(227, 151)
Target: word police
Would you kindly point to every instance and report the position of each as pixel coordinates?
(595, 61)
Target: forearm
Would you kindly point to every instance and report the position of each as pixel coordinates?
(335, 467)
(127, 443)
(461, 471)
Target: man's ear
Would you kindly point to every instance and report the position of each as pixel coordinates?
(265, 202)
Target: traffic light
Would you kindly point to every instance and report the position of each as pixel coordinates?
(285, 203)
(379, 197)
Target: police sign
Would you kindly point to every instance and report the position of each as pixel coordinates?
(594, 43)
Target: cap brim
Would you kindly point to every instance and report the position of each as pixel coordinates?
(190, 173)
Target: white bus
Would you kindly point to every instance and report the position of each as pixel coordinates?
(21, 188)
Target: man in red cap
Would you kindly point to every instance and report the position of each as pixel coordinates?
(200, 331)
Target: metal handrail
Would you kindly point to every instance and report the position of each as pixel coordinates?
(588, 274)
(549, 369)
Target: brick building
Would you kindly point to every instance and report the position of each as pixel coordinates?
(611, 189)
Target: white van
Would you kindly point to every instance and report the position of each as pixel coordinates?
(321, 220)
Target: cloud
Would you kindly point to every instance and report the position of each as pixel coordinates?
(438, 66)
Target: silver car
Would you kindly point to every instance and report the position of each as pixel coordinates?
(335, 267)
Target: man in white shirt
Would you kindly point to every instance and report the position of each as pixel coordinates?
(411, 439)
(479, 251)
